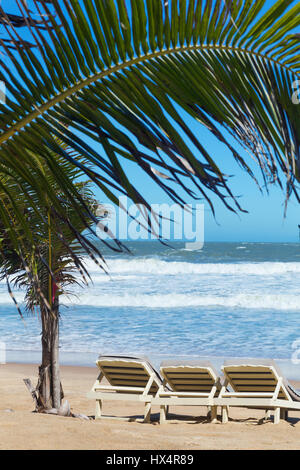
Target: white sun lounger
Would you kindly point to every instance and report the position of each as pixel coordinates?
(257, 383)
(129, 379)
(192, 383)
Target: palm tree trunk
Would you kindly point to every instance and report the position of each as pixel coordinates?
(56, 384)
(49, 386)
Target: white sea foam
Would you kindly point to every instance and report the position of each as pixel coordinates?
(173, 300)
(161, 267)
(264, 285)
(167, 301)
(125, 269)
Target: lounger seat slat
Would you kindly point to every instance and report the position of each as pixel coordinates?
(193, 385)
(127, 374)
(252, 379)
(122, 366)
(129, 382)
(136, 370)
(249, 369)
(263, 383)
(129, 378)
(189, 376)
(179, 380)
(193, 379)
(186, 374)
(246, 372)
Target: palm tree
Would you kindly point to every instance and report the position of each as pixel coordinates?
(52, 263)
(116, 81)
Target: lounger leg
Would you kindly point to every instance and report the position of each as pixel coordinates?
(163, 414)
(277, 416)
(208, 413)
(283, 414)
(98, 409)
(214, 414)
(267, 414)
(225, 414)
(167, 411)
(147, 414)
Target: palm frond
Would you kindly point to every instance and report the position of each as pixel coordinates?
(54, 254)
(114, 81)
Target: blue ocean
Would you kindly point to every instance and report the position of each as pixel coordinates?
(225, 300)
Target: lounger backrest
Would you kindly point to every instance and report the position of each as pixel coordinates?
(128, 372)
(253, 378)
(189, 377)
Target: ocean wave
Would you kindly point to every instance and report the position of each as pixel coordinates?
(167, 301)
(174, 300)
(161, 267)
(129, 269)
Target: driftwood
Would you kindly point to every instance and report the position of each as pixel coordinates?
(32, 391)
(63, 410)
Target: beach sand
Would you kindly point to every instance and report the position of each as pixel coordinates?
(23, 429)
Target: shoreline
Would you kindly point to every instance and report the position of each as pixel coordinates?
(20, 428)
(88, 359)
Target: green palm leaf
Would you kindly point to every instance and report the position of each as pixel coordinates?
(48, 231)
(110, 78)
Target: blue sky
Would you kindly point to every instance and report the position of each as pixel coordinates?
(265, 220)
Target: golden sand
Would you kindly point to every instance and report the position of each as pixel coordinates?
(23, 429)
